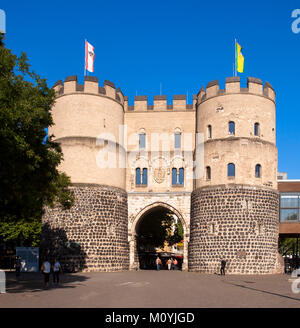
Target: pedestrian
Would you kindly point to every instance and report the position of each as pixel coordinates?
(175, 263)
(169, 262)
(46, 269)
(56, 271)
(18, 267)
(223, 265)
(158, 263)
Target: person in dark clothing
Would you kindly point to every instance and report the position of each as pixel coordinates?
(18, 266)
(56, 269)
(223, 265)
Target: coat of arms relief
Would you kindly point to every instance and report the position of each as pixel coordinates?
(160, 174)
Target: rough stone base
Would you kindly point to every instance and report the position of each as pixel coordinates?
(93, 234)
(237, 223)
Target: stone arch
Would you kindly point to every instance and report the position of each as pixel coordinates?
(155, 205)
(142, 130)
(164, 159)
(141, 161)
(140, 215)
(178, 161)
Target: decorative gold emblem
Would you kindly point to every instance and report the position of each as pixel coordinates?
(159, 175)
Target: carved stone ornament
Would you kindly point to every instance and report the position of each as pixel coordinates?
(159, 174)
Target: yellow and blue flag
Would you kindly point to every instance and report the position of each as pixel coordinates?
(239, 58)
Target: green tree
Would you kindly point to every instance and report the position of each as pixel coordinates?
(29, 178)
(288, 245)
(177, 236)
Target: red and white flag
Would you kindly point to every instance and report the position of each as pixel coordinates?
(89, 57)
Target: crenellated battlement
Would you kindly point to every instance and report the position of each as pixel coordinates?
(90, 86)
(160, 103)
(232, 86)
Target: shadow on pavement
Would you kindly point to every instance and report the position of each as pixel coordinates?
(34, 282)
(262, 291)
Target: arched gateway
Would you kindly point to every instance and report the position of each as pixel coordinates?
(132, 232)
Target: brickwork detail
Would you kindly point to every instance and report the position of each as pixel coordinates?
(237, 223)
(96, 226)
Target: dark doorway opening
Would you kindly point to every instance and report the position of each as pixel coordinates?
(289, 248)
(159, 233)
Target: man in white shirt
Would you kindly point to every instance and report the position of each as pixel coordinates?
(46, 268)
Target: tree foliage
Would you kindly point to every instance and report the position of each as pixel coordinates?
(288, 246)
(177, 236)
(29, 178)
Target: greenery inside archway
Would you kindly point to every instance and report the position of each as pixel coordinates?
(159, 232)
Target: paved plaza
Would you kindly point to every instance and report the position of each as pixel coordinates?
(151, 289)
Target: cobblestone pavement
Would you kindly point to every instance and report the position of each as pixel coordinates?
(151, 289)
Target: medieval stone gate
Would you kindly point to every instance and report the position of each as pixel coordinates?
(140, 204)
(213, 163)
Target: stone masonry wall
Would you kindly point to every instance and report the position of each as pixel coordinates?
(236, 223)
(93, 234)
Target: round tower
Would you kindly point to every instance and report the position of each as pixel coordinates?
(89, 121)
(234, 205)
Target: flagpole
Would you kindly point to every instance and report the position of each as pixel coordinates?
(84, 56)
(235, 72)
(234, 57)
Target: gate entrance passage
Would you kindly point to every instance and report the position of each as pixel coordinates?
(159, 231)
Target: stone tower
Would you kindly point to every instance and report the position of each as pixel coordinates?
(234, 207)
(93, 235)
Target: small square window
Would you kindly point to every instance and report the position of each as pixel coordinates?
(289, 215)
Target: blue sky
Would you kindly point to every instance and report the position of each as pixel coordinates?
(181, 45)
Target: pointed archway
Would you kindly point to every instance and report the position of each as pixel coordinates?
(132, 233)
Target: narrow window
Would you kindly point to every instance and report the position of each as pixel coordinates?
(142, 141)
(258, 171)
(231, 127)
(145, 176)
(177, 140)
(208, 173)
(213, 228)
(174, 176)
(138, 176)
(181, 176)
(231, 170)
(259, 228)
(209, 132)
(256, 129)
